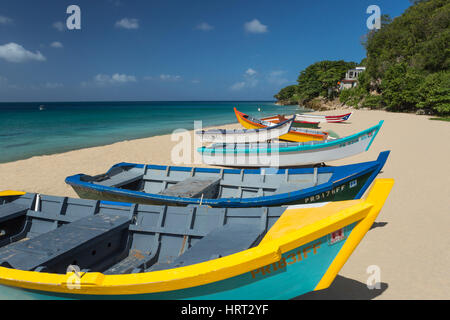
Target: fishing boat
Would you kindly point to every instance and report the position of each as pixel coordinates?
(55, 247)
(323, 119)
(246, 135)
(153, 184)
(295, 134)
(287, 154)
(299, 124)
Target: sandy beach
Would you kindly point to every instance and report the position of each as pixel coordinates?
(410, 241)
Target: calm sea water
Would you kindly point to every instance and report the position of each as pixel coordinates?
(26, 131)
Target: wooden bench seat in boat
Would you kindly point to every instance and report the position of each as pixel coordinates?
(220, 242)
(121, 179)
(49, 251)
(11, 210)
(194, 187)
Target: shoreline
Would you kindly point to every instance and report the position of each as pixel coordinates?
(409, 241)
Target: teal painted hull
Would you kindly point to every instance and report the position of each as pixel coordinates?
(298, 272)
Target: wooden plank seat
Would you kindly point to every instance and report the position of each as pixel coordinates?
(49, 250)
(194, 187)
(10, 211)
(220, 242)
(122, 178)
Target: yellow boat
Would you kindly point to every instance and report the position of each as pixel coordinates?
(296, 249)
(295, 134)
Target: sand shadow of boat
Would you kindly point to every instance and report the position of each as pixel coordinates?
(345, 289)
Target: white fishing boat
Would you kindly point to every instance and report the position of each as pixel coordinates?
(323, 119)
(285, 154)
(246, 135)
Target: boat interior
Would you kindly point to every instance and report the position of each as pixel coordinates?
(187, 182)
(48, 233)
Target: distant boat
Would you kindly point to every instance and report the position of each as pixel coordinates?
(324, 119)
(41, 107)
(246, 135)
(299, 124)
(73, 248)
(295, 134)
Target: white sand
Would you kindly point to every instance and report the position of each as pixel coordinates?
(412, 248)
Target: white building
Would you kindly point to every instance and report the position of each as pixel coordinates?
(351, 78)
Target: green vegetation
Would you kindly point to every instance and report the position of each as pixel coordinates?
(408, 65)
(441, 119)
(321, 78)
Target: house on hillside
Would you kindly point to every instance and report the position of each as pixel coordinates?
(351, 78)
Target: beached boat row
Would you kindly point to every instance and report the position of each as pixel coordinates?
(147, 231)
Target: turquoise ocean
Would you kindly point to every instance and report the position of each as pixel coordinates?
(27, 131)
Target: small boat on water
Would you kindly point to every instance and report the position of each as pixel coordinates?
(324, 119)
(246, 135)
(287, 154)
(153, 184)
(295, 134)
(41, 107)
(299, 124)
(64, 248)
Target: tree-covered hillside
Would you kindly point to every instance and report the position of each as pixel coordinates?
(407, 62)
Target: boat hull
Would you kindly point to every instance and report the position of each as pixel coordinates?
(246, 135)
(324, 119)
(276, 155)
(302, 251)
(298, 272)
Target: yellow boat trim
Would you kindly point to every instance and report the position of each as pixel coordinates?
(8, 193)
(377, 195)
(206, 272)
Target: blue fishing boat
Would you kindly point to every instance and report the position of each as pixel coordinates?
(173, 185)
(55, 247)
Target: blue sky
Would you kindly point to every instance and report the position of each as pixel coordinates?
(173, 50)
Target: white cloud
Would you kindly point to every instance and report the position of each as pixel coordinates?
(126, 23)
(52, 85)
(250, 80)
(5, 20)
(238, 86)
(56, 44)
(168, 77)
(204, 26)
(58, 26)
(13, 52)
(277, 77)
(250, 72)
(255, 26)
(102, 80)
